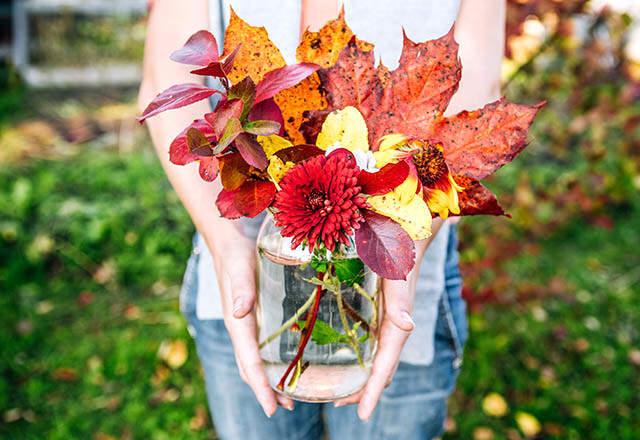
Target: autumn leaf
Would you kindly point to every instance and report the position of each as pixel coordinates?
(234, 170)
(353, 80)
(267, 110)
(231, 131)
(262, 128)
(226, 204)
(249, 199)
(251, 151)
(199, 50)
(418, 92)
(476, 199)
(176, 96)
(257, 54)
(198, 143)
(174, 353)
(384, 246)
(479, 142)
(283, 78)
(322, 48)
(219, 68)
(208, 168)
(179, 152)
(229, 109)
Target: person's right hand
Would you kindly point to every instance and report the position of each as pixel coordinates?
(236, 271)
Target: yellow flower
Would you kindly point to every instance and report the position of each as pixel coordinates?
(440, 190)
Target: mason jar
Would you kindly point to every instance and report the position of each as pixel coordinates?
(337, 356)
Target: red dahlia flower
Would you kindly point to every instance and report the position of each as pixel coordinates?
(320, 201)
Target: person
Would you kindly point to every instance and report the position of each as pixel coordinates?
(419, 356)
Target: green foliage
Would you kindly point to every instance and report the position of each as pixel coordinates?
(349, 270)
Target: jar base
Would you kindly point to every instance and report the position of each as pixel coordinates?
(321, 383)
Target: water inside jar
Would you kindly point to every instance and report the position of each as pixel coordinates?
(334, 370)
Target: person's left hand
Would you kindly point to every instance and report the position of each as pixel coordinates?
(395, 328)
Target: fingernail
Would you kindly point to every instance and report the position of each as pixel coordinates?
(266, 413)
(406, 317)
(237, 305)
(338, 404)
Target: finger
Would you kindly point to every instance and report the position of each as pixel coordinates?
(392, 340)
(398, 303)
(349, 400)
(285, 402)
(243, 292)
(242, 332)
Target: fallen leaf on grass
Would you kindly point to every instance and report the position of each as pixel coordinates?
(174, 353)
(528, 424)
(494, 405)
(65, 374)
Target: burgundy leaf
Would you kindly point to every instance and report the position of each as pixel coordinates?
(226, 110)
(385, 247)
(226, 205)
(176, 96)
(385, 180)
(209, 168)
(267, 110)
(220, 68)
(283, 78)
(262, 128)
(246, 91)
(231, 131)
(253, 197)
(179, 153)
(199, 50)
(251, 151)
(198, 143)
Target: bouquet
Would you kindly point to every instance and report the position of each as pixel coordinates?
(351, 161)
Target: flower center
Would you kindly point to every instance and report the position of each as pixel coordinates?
(430, 164)
(316, 199)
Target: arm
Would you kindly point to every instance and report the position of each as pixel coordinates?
(170, 25)
(480, 33)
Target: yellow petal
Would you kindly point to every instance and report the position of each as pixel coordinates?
(346, 128)
(277, 168)
(391, 140)
(406, 191)
(414, 217)
(273, 143)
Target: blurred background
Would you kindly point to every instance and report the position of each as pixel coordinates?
(93, 241)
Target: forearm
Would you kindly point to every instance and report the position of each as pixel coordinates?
(170, 24)
(480, 32)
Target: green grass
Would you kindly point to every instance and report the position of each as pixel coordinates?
(93, 248)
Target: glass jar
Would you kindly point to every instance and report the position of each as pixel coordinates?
(340, 305)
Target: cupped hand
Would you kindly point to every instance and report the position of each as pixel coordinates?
(236, 270)
(395, 328)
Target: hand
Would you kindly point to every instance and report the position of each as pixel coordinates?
(395, 328)
(236, 270)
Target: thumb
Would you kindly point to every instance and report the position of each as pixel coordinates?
(398, 301)
(243, 290)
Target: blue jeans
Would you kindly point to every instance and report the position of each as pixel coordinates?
(412, 407)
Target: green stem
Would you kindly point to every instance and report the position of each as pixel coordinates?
(374, 304)
(287, 325)
(345, 325)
